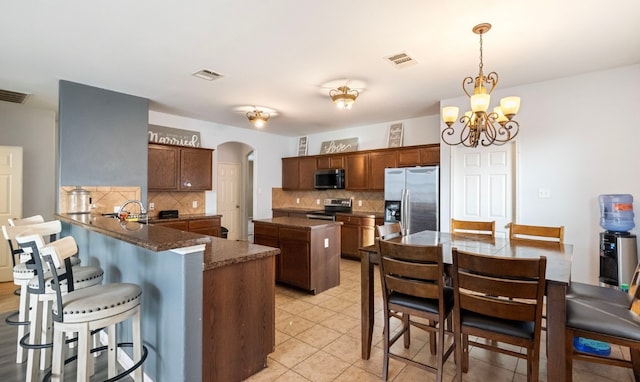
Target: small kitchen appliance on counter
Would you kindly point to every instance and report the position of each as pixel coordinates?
(168, 214)
(79, 201)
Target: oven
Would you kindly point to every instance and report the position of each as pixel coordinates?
(331, 207)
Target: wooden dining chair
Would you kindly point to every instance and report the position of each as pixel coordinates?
(535, 232)
(413, 285)
(389, 230)
(499, 299)
(474, 227)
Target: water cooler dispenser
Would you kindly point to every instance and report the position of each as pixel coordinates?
(618, 247)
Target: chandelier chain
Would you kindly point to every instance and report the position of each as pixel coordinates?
(481, 64)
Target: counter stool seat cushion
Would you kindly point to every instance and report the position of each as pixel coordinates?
(99, 302)
(603, 318)
(83, 277)
(21, 272)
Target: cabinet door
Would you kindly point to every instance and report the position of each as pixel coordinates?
(290, 180)
(357, 171)
(430, 155)
(163, 168)
(350, 235)
(306, 173)
(182, 225)
(195, 169)
(378, 161)
(330, 161)
(408, 157)
(295, 255)
(206, 226)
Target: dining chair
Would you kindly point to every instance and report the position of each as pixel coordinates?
(413, 284)
(499, 299)
(389, 230)
(606, 320)
(535, 232)
(474, 227)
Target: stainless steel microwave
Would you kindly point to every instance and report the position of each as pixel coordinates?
(329, 179)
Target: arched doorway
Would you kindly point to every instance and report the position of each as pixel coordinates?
(235, 199)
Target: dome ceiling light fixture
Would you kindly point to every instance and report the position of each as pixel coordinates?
(258, 117)
(478, 126)
(344, 97)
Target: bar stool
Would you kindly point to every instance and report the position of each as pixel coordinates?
(22, 274)
(41, 295)
(82, 311)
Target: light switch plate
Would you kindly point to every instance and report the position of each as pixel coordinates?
(194, 204)
(326, 242)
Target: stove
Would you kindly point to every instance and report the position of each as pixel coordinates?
(331, 207)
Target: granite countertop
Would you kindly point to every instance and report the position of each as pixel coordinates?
(218, 252)
(366, 214)
(299, 222)
(155, 219)
(297, 209)
(353, 213)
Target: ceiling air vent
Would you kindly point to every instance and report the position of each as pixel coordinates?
(401, 60)
(207, 75)
(14, 97)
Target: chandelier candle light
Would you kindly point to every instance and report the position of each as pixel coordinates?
(498, 126)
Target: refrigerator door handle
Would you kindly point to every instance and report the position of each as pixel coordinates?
(407, 212)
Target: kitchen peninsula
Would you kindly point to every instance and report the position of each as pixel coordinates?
(309, 251)
(208, 307)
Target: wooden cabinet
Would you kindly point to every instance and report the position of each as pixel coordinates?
(357, 232)
(309, 253)
(175, 168)
(378, 161)
(356, 171)
(330, 161)
(209, 225)
(298, 173)
(419, 156)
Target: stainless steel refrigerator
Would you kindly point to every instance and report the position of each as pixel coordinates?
(412, 197)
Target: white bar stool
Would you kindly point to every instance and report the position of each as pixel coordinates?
(22, 274)
(88, 309)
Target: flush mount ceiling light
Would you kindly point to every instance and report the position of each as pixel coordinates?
(478, 126)
(344, 97)
(258, 118)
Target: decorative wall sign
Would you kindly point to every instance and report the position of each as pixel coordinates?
(339, 146)
(302, 146)
(395, 135)
(171, 136)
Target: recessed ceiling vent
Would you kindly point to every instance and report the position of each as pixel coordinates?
(206, 74)
(14, 97)
(401, 60)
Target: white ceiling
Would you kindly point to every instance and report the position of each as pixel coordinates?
(281, 53)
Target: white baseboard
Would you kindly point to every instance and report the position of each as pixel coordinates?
(123, 358)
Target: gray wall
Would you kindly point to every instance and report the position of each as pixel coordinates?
(103, 137)
(35, 131)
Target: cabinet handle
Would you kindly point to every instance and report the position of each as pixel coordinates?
(187, 184)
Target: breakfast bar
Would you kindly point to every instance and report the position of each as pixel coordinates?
(208, 305)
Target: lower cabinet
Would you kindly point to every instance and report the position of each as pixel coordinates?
(357, 232)
(309, 255)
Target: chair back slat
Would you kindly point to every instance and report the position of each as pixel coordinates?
(389, 230)
(498, 307)
(533, 232)
(474, 227)
(412, 270)
(499, 266)
(35, 219)
(522, 288)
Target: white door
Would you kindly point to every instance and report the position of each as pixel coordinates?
(229, 197)
(483, 184)
(10, 200)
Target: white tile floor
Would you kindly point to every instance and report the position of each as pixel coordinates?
(318, 339)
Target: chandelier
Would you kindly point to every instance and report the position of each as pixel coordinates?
(258, 118)
(343, 97)
(478, 125)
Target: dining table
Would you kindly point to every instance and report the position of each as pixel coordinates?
(558, 277)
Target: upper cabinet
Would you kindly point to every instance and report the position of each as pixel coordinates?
(175, 168)
(364, 170)
(298, 173)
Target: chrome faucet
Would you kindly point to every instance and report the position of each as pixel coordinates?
(127, 215)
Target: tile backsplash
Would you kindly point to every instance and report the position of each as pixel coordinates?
(181, 201)
(371, 201)
(104, 199)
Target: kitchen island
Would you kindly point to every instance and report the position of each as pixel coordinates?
(309, 251)
(208, 306)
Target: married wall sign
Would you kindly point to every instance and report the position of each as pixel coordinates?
(171, 136)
